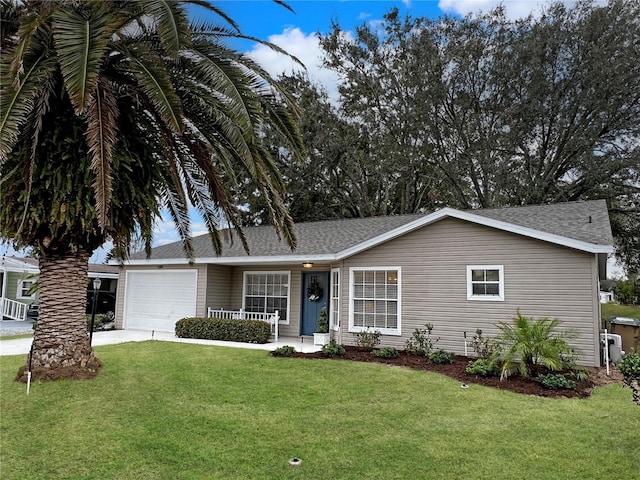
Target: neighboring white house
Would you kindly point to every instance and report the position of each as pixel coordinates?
(606, 297)
(18, 278)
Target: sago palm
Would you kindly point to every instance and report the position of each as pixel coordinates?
(111, 112)
(528, 344)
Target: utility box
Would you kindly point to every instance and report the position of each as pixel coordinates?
(629, 331)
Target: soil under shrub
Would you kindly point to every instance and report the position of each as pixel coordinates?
(456, 370)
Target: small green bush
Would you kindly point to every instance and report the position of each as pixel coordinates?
(483, 367)
(556, 381)
(333, 349)
(483, 347)
(420, 342)
(629, 366)
(441, 357)
(367, 338)
(248, 331)
(386, 352)
(285, 351)
(102, 321)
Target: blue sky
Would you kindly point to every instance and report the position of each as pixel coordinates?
(264, 18)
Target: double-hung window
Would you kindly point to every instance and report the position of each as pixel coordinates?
(485, 282)
(25, 291)
(266, 292)
(375, 299)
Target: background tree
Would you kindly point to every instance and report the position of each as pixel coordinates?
(486, 112)
(111, 111)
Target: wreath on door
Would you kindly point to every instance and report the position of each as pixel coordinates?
(314, 292)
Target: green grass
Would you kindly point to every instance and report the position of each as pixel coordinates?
(613, 309)
(174, 411)
(16, 337)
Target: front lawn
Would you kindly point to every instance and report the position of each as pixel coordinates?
(162, 410)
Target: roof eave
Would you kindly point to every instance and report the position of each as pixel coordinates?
(248, 260)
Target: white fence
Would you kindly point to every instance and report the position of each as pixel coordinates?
(13, 310)
(271, 318)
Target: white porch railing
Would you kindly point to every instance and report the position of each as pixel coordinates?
(271, 318)
(13, 310)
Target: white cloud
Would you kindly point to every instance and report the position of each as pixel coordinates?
(363, 16)
(305, 48)
(514, 8)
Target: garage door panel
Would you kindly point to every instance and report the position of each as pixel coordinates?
(156, 300)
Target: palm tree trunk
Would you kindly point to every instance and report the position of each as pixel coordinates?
(61, 346)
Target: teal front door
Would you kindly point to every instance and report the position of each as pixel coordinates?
(315, 295)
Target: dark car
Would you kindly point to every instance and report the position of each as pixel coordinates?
(32, 310)
(106, 302)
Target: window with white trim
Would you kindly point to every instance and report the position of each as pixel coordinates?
(375, 299)
(266, 292)
(335, 298)
(24, 286)
(485, 282)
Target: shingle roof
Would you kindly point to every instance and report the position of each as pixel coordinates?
(585, 221)
(314, 238)
(582, 221)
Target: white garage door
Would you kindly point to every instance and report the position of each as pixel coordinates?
(156, 300)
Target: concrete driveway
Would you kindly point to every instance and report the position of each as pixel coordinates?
(22, 345)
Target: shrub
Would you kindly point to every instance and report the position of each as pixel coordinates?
(102, 321)
(285, 351)
(441, 357)
(482, 347)
(248, 331)
(322, 325)
(629, 366)
(483, 367)
(332, 349)
(556, 381)
(528, 344)
(386, 352)
(368, 339)
(420, 342)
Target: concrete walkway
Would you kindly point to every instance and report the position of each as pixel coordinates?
(22, 345)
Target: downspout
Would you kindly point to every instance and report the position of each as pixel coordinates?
(600, 260)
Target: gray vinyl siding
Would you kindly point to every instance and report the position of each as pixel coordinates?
(201, 309)
(541, 279)
(218, 287)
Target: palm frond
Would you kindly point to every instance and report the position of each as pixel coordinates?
(179, 211)
(156, 84)
(205, 29)
(101, 137)
(218, 11)
(81, 42)
(170, 22)
(199, 190)
(18, 94)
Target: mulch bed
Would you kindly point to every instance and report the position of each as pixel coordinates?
(456, 370)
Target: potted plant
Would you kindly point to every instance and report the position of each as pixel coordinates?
(322, 335)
